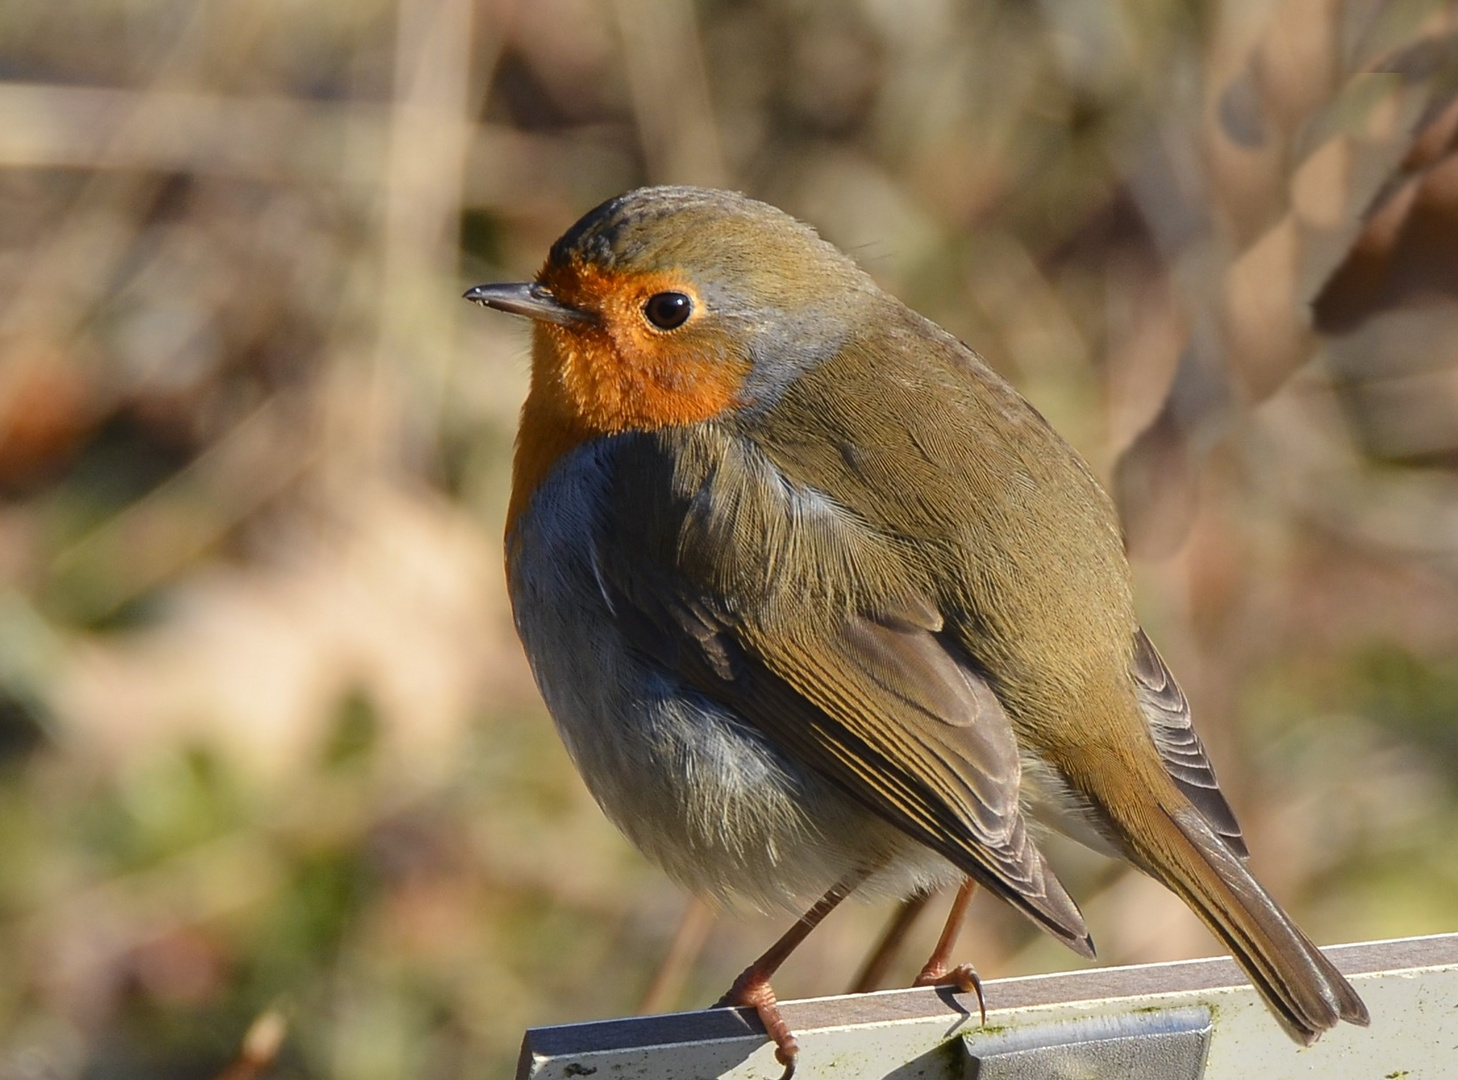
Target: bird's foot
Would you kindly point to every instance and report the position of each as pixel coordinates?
(752, 990)
(964, 977)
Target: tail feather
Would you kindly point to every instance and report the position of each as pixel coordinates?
(1302, 987)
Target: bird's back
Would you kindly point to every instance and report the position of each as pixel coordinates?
(995, 515)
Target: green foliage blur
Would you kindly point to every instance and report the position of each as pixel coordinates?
(277, 795)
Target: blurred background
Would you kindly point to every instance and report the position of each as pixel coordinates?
(277, 795)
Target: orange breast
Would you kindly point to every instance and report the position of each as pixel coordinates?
(616, 375)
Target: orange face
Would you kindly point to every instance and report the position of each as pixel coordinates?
(619, 371)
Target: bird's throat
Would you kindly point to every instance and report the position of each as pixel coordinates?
(586, 384)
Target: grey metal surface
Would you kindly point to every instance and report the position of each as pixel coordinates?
(1411, 986)
(1151, 1045)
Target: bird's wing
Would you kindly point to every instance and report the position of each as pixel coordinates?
(1168, 715)
(928, 443)
(799, 618)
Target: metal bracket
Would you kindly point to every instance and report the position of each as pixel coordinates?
(1166, 1044)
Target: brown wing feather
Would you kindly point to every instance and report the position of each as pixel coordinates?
(924, 741)
(1168, 715)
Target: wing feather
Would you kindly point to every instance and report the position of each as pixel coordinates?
(1168, 715)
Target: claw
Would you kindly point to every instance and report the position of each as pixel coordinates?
(964, 977)
(752, 990)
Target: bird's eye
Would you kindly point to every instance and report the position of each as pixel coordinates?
(668, 310)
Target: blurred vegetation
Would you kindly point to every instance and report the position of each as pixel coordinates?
(276, 793)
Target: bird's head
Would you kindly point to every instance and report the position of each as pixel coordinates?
(669, 305)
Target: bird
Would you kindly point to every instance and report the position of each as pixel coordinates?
(821, 605)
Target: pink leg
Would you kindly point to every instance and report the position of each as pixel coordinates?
(752, 989)
(938, 971)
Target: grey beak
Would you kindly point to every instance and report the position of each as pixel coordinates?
(529, 299)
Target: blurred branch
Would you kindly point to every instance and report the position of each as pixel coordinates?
(678, 961)
(149, 541)
(71, 269)
(424, 178)
(276, 138)
(664, 57)
(1408, 235)
(1302, 139)
(283, 140)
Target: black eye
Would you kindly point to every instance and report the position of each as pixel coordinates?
(668, 310)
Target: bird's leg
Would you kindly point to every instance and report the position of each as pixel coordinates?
(938, 971)
(873, 971)
(752, 989)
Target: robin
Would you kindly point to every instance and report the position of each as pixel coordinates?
(820, 604)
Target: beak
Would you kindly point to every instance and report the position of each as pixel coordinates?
(529, 299)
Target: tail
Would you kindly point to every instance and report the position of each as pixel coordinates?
(1301, 986)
